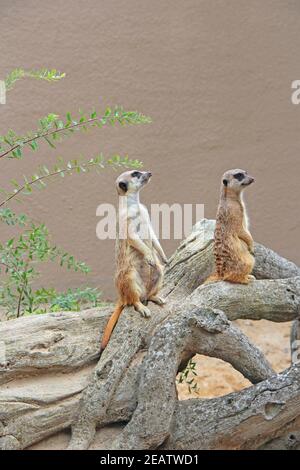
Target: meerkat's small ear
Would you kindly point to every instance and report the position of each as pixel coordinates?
(225, 182)
(123, 186)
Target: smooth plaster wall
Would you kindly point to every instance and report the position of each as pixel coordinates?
(214, 75)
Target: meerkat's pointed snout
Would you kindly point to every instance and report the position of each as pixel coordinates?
(147, 175)
(248, 180)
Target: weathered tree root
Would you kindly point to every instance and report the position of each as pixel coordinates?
(39, 348)
(63, 341)
(109, 371)
(205, 331)
(248, 419)
(274, 300)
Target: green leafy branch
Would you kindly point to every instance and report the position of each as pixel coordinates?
(70, 300)
(10, 218)
(42, 74)
(18, 257)
(185, 376)
(62, 168)
(52, 129)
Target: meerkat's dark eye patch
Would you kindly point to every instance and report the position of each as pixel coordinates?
(136, 174)
(239, 176)
(225, 182)
(123, 186)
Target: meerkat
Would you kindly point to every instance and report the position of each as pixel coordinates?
(139, 255)
(233, 242)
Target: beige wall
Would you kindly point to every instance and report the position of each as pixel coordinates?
(214, 75)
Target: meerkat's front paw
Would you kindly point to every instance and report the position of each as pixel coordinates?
(158, 300)
(145, 312)
(142, 309)
(243, 280)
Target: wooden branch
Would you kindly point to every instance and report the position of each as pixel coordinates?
(270, 265)
(52, 342)
(206, 332)
(33, 409)
(275, 300)
(288, 437)
(116, 358)
(242, 420)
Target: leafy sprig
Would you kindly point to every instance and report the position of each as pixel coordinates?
(70, 300)
(11, 218)
(52, 129)
(18, 259)
(41, 74)
(187, 376)
(62, 169)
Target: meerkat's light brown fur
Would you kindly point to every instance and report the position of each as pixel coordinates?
(139, 255)
(233, 241)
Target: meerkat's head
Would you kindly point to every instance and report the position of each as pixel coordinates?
(132, 181)
(236, 180)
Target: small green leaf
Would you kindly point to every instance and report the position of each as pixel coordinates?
(33, 145)
(49, 142)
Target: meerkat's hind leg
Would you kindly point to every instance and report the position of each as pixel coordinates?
(157, 299)
(243, 280)
(212, 278)
(142, 309)
(236, 278)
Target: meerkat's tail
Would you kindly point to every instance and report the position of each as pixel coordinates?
(110, 325)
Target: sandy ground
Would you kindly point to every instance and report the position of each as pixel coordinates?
(214, 377)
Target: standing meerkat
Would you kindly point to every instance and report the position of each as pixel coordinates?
(139, 255)
(233, 241)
